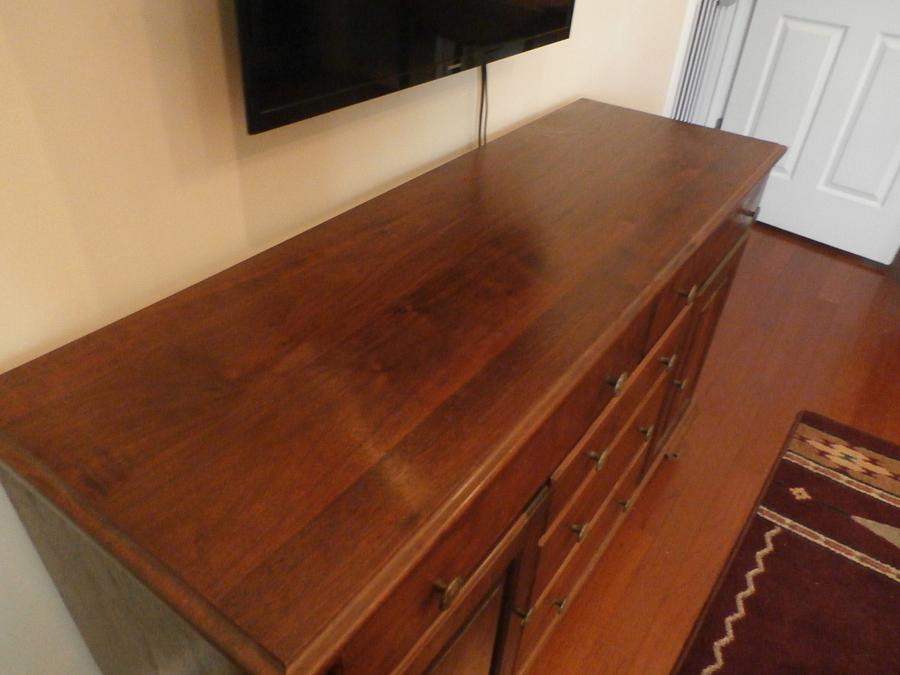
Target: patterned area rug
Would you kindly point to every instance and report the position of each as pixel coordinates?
(813, 586)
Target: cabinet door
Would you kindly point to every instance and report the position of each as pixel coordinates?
(474, 649)
(479, 632)
(709, 306)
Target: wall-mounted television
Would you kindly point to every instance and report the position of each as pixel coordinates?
(301, 58)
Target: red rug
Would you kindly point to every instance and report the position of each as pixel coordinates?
(813, 586)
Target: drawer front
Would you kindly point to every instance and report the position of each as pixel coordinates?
(591, 453)
(556, 599)
(578, 523)
(689, 282)
(606, 380)
(636, 437)
(567, 424)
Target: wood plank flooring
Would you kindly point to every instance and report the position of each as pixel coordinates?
(806, 327)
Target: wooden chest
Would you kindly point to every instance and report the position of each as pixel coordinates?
(400, 441)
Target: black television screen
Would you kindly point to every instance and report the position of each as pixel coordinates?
(304, 57)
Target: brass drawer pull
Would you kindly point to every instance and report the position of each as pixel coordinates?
(681, 384)
(669, 361)
(599, 459)
(579, 530)
(627, 504)
(689, 295)
(618, 384)
(448, 591)
(524, 615)
(647, 431)
(560, 604)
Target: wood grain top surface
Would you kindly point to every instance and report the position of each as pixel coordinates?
(275, 441)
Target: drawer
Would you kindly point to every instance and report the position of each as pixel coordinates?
(547, 611)
(587, 399)
(588, 454)
(690, 280)
(607, 378)
(576, 524)
(557, 598)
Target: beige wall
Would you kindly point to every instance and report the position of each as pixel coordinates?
(126, 175)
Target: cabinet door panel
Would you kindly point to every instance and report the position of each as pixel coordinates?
(473, 649)
(708, 311)
(473, 624)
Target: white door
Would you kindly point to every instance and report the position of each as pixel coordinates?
(823, 78)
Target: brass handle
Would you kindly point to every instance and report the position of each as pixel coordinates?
(669, 361)
(681, 384)
(689, 295)
(560, 604)
(647, 431)
(523, 614)
(579, 530)
(599, 459)
(618, 384)
(627, 504)
(448, 591)
(750, 213)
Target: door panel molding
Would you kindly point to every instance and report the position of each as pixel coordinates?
(837, 176)
(780, 76)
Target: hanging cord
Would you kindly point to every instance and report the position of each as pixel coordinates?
(483, 108)
(484, 76)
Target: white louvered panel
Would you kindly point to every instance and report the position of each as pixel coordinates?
(702, 36)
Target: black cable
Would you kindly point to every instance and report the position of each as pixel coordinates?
(484, 78)
(483, 108)
(480, 104)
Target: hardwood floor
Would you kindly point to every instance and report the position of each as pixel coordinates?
(805, 328)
